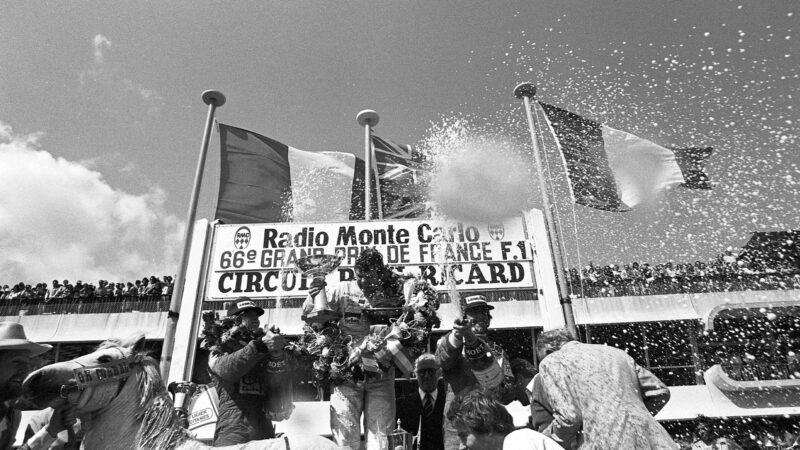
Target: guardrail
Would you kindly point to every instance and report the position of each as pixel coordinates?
(761, 372)
(96, 305)
(661, 286)
(160, 303)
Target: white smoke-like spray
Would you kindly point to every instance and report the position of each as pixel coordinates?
(477, 175)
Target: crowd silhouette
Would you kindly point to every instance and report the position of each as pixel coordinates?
(62, 297)
(726, 272)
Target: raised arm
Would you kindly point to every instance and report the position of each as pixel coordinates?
(232, 367)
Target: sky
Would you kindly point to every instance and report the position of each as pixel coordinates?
(101, 119)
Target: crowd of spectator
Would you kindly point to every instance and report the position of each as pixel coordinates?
(743, 432)
(43, 298)
(726, 272)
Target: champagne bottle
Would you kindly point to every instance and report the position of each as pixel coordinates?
(483, 363)
(280, 390)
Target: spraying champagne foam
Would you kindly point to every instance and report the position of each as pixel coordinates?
(478, 177)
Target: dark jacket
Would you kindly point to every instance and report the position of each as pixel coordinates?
(409, 411)
(541, 411)
(457, 371)
(9, 422)
(241, 386)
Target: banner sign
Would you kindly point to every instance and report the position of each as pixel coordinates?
(258, 260)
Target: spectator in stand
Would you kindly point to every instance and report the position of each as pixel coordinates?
(130, 290)
(40, 291)
(154, 287)
(5, 293)
(143, 287)
(27, 293)
(167, 289)
(51, 293)
(119, 290)
(76, 291)
(86, 291)
(16, 292)
(707, 439)
(102, 289)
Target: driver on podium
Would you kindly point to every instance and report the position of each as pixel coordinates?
(240, 378)
(470, 361)
(372, 393)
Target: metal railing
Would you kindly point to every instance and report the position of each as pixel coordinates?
(761, 372)
(684, 285)
(96, 305)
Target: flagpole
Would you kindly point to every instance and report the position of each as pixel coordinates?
(526, 91)
(367, 119)
(213, 99)
(378, 199)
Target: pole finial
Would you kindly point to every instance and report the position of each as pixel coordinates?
(212, 97)
(367, 117)
(525, 89)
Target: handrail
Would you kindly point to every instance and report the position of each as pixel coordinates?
(761, 372)
(95, 305)
(683, 285)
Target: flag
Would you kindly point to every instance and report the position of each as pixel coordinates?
(400, 190)
(263, 180)
(614, 170)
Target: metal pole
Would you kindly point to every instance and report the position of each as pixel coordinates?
(213, 99)
(526, 91)
(367, 119)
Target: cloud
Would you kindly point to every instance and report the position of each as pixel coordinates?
(98, 72)
(95, 70)
(61, 219)
(143, 92)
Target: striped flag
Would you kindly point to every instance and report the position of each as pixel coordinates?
(263, 180)
(400, 193)
(614, 170)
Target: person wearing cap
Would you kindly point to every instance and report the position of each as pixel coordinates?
(240, 379)
(421, 412)
(457, 368)
(16, 353)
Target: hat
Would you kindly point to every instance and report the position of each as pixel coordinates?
(426, 361)
(12, 337)
(475, 301)
(242, 304)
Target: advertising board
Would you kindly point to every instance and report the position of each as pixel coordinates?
(258, 260)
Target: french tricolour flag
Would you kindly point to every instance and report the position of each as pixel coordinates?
(614, 170)
(263, 180)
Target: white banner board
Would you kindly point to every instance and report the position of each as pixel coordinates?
(258, 260)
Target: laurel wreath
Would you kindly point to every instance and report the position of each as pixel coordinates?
(227, 335)
(336, 359)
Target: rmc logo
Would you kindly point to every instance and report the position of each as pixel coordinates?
(496, 230)
(242, 238)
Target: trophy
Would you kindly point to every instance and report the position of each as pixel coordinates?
(317, 267)
(400, 439)
(182, 392)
